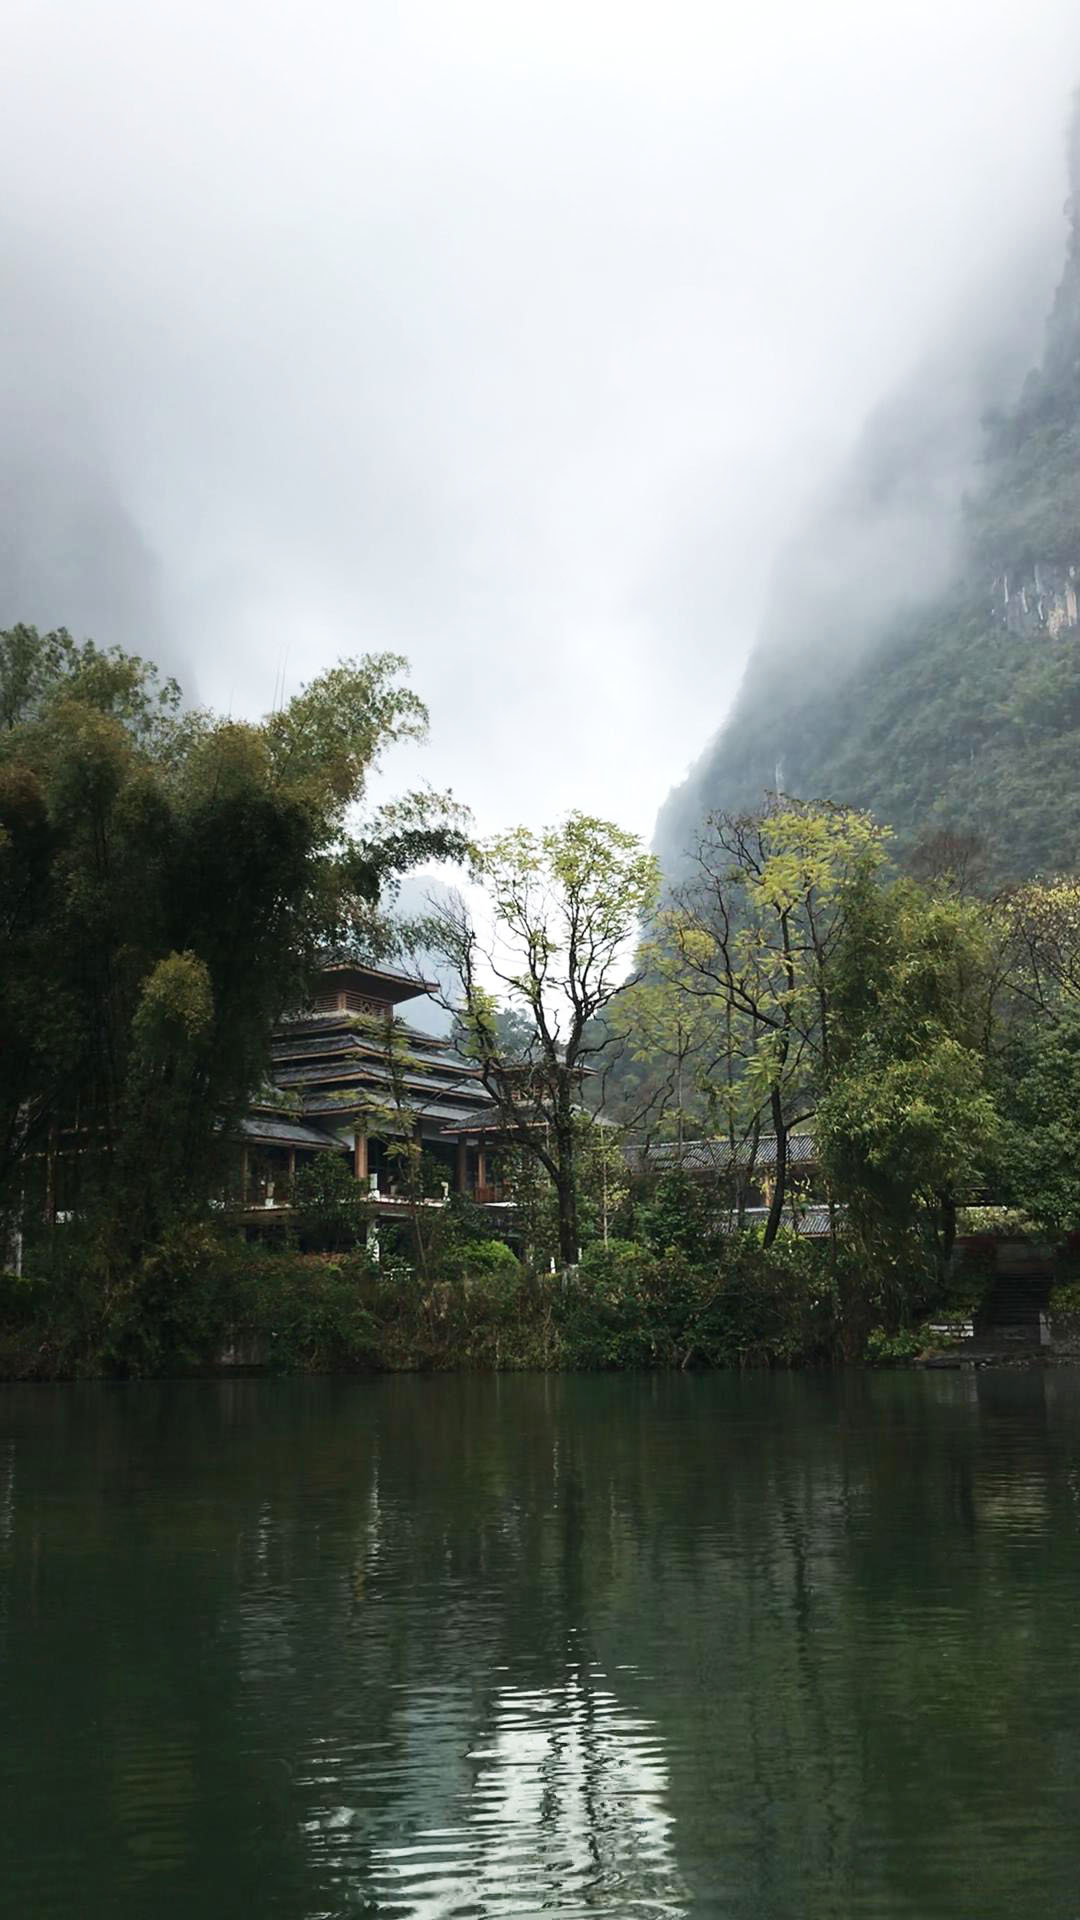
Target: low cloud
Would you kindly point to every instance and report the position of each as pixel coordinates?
(516, 342)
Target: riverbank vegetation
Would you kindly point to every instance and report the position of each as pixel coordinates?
(170, 883)
(203, 1299)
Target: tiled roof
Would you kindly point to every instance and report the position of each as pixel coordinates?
(716, 1156)
(482, 1120)
(284, 1133)
(340, 1110)
(348, 1045)
(371, 1073)
(810, 1223)
(463, 1116)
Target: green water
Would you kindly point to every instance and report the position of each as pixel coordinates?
(746, 1647)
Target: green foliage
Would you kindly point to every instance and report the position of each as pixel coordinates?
(174, 1013)
(202, 1293)
(748, 946)
(332, 1207)
(481, 1259)
(23, 1300)
(691, 1215)
(893, 1349)
(1039, 1093)
(305, 1315)
(908, 1125)
(564, 904)
(1065, 1300)
(897, 1134)
(168, 884)
(632, 1307)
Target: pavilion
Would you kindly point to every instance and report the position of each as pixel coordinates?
(350, 1076)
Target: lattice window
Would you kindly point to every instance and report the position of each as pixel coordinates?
(358, 1003)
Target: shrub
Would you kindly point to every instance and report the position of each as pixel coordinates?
(893, 1349)
(629, 1304)
(311, 1312)
(472, 1259)
(22, 1299)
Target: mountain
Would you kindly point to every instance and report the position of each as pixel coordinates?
(921, 655)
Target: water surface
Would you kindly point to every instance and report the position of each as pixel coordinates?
(749, 1647)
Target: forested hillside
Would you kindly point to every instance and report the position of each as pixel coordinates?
(955, 703)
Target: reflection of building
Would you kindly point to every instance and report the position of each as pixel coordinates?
(349, 1076)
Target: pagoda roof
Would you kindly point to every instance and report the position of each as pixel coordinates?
(362, 1073)
(378, 983)
(290, 1052)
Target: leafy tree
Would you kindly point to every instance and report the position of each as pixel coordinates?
(908, 1126)
(332, 1209)
(1038, 1086)
(672, 1032)
(169, 882)
(752, 936)
(1043, 922)
(564, 905)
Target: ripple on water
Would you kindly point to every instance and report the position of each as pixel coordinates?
(559, 1805)
(750, 1649)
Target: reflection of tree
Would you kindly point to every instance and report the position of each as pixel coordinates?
(796, 1644)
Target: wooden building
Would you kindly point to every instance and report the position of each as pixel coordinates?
(350, 1075)
(749, 1164)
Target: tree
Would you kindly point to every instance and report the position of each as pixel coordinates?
(1043, 922)
(751, 935)
(564, 905)
(1038, 1091)
(169, 883)
(950, 859)
(908, 1126)
(333, 1212)
(669, 1030)
(1038, 1072)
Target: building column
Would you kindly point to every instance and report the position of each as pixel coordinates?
(360, 1168)
(462, 1167)
(481, 1166)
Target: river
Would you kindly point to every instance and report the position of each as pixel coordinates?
(758, 1646)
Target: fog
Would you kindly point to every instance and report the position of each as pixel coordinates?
(516, 340)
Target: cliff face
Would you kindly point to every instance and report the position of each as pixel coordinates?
(922, 653)
(1040, 602)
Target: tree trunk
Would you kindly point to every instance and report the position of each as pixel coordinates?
(776, 1205)
(743, 1179)
(566, 1174)
(948, 1228)
(566, 1189)
(569, 1250)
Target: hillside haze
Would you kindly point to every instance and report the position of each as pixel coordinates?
(921, 652)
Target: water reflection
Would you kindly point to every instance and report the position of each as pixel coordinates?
(562, 1806)
(740, 1647)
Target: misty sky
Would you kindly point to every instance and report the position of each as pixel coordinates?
(512, 338)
